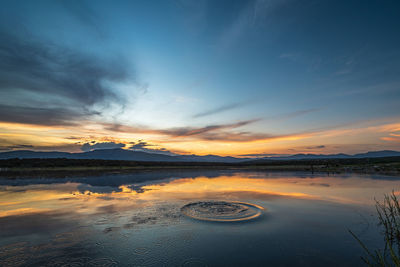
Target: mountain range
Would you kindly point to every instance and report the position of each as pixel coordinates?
(124, 154)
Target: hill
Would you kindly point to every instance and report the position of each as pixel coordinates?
(130, 155)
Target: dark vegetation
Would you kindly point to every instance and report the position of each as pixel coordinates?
(389, 220)
(31, 167)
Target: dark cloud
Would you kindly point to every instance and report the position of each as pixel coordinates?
(218, 132)
(219, 109)
(222, 132)
(47, 84)
(235, 136)
(106, 145)
(42, 115)
(21, 146)
(73, 138)
(150, 148)
(189, 131)
(140, 144)
(15, 147)
(316, 147)
(320, 184)
(212, 132)
(61, 147)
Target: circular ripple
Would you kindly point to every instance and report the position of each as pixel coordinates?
(103, 262)
(141, 250)
(194, 262)
(222, 211)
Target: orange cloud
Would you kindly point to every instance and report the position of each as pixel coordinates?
(220, 139)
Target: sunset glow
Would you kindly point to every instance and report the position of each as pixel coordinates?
(251, 80)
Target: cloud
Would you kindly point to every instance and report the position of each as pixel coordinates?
(192, 131)
(15, 147)
(217, 132)
(106, 145)
(247, 16)
(144, 146)
(391, 139)
(235, 136)
(315, 147)
(219, 110)
(58, 147)
(140, 144)
(42, 115)
(47, 84)
(221, 132)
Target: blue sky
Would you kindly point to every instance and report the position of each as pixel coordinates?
(286, 67)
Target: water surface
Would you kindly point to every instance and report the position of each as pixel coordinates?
(137, 219)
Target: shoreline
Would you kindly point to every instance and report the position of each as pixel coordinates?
(68, 171)
(62, 167)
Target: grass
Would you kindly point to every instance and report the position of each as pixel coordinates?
(13, 168)
(389, 219)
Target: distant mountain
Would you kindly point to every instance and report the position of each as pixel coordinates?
(124, 154)
(210, 158)
(27, 154)
(117, 154)
(378, 154)
(372, 154)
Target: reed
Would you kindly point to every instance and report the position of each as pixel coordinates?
(389, 219)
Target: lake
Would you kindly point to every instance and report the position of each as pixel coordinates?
(191, 218)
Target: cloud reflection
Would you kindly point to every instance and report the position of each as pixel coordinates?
(80, 198)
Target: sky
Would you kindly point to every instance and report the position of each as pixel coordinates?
(240, 78)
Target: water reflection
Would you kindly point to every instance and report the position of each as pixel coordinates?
(136, 219)
(91, 198)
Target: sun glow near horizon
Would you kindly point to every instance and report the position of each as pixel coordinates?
(369, 137)
(227, 78)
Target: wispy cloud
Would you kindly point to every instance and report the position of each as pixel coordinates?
(219, 109)
(54, 147)
(394, 133)
(293, 114)
(315, 147)
(219, 132)
(210, 132)
(15, 147)
(189, 131)
(251, 15)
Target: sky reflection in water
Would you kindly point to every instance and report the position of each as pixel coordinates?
(136, 219)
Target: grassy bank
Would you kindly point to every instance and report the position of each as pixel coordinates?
(12, 168)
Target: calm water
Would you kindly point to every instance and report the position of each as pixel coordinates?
(136, 219)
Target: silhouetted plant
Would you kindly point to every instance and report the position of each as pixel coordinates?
(389, 218)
